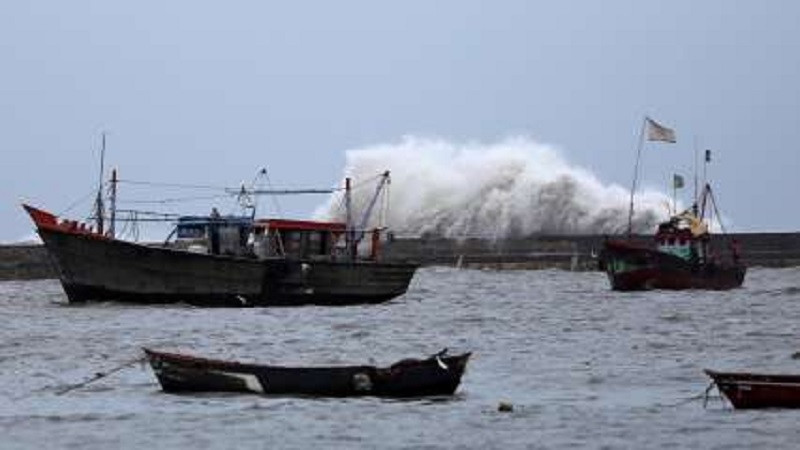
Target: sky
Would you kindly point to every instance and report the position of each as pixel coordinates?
(210, 92)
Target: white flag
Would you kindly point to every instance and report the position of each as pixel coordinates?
(657, 132)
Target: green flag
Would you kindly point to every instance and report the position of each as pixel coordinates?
(677, 181)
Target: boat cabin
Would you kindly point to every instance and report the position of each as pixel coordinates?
(684, 236)
(214, 234)
(298, 238)
(268, 238)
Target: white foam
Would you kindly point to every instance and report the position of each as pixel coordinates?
(514, 187)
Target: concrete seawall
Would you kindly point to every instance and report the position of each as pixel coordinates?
(577, 252)
(25, 262)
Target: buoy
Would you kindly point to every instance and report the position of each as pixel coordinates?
(505, 407)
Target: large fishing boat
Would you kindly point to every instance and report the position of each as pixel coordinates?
(683, 255)
(226, 260)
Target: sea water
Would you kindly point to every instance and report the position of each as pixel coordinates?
(582, 366)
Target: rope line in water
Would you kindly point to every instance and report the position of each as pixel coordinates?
(705, 396)
(100, 375)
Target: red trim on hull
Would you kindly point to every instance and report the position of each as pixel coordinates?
(45, 220)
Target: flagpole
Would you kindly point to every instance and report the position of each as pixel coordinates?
(636, 174)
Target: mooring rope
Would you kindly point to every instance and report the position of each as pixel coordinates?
(97, 376)
(705, 395)
(100, 375)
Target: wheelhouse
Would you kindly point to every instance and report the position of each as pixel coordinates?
(216, 235)
(684, 236)
(298, 238)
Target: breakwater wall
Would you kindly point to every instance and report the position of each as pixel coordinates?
(25, 262)
(576, 252)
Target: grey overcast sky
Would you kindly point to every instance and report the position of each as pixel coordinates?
(208, 92)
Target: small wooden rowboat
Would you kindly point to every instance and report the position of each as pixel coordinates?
(436, 375)
(754, 390)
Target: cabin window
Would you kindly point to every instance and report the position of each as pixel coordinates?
(191, 231)
(316, 243)
(672, 241)
(292, 242)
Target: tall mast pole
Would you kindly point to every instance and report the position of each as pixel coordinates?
(349, 232)
(696, 193)
(112, 200)
(99, 201)
(636, 175)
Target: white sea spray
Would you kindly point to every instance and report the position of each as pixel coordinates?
(510, 188)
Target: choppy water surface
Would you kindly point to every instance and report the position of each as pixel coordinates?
(583, 366)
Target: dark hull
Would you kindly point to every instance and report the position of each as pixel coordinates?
(633, 268)
(407, 378)
(97, 269)
(754, 391)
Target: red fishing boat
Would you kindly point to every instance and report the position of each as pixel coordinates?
(682, 256)
(757, 390)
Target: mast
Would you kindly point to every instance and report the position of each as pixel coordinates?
(349, 232)
(674, 195)
(99, 201)
(694, 204)
(636, 175)
(112, 200)
(362, 225)
(655, 132)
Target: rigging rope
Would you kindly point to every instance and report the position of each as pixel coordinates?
(176, 199)
(175, 185)
(77, 202)
(716, 211)
(278, 208)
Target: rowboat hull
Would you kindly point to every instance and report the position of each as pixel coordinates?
(437, 375)
(755, 391)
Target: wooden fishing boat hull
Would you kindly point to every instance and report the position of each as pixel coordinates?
(95, 268)
(437, 375)
(634, 268)
(754, 391)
